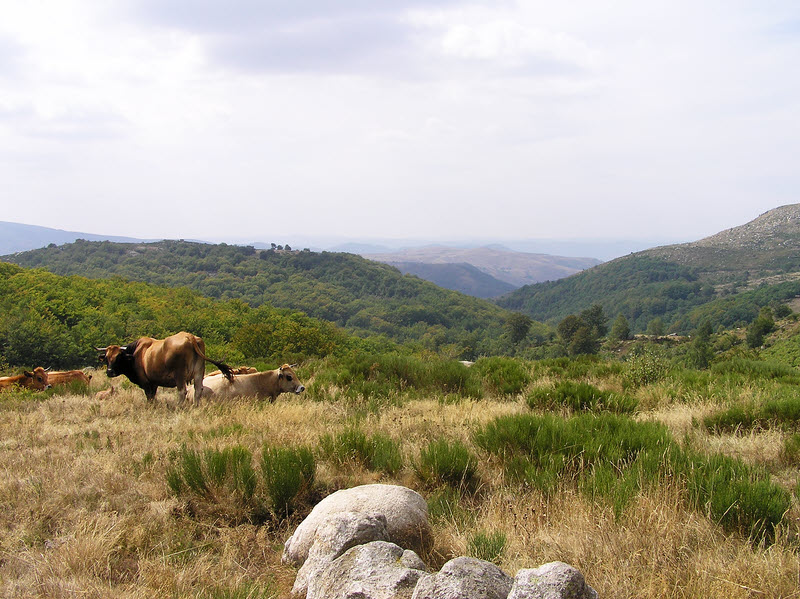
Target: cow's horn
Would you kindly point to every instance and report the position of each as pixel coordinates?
(293, 366)
(101, 349)
(48, 369)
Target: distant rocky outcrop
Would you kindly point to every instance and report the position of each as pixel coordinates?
(353, 545)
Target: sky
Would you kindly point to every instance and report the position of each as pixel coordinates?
(366, 119)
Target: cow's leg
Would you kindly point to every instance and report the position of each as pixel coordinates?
(181, 392)
(150, 392)
(198, 386)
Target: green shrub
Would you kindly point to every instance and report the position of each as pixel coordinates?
(449, 376)
(756, 369)
(579, 397)
(444, 506)
(614, 458)
(645, 367)
(791, 449)
(487, 546)
(287, 472)
(222, 481)
(448, 462)
(376, 452)
(736, 417)
(365, 376)
(782, 411)
(242, 590)
(735, 495)
(503, 376)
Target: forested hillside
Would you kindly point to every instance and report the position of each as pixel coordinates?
(361, 296)
(56, 321)
(726, 278)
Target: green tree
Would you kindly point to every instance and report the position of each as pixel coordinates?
(596, 319)
(656, 327)
(577, 335)
(701, 353)
(518, 326)
(763, 324)
(620, 330)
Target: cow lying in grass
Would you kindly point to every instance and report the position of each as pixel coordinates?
(261, 385)
(64, 377)
(36, 380)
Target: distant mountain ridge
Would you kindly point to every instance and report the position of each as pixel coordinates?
(460, 277)
(679, 283)
(18, 237)
(514, 268)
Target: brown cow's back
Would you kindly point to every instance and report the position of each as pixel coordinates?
(62, 377)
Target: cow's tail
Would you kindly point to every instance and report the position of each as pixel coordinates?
(227, 371)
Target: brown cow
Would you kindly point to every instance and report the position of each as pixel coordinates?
(63, 377)
(259, 385)
(36, 380)
(153, 363)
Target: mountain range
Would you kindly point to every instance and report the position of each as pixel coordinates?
(484, 272)
(724, 278)
(515, 269)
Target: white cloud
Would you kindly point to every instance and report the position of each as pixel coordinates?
(451, 120)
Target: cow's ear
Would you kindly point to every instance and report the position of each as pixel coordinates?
(27, 374)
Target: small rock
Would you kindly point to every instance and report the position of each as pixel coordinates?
(555, 580)
(465, 578)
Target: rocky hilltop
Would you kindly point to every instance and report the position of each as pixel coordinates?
(775, 229)
(766, 246)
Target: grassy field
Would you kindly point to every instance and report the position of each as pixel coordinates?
(91, 506)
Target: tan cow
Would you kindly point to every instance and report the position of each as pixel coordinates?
(36, 380)
(153, 363)
(235, 371)
(260, 385)
(63, 377)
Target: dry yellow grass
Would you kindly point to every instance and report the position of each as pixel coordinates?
(86, 511)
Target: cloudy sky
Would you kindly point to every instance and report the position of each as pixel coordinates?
(449, 120)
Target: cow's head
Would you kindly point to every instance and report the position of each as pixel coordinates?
(287, 380)
(36, 379)
(116, 358)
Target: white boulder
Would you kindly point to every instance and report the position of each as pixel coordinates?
(405, 510)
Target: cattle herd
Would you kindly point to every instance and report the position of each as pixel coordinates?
(178, 362)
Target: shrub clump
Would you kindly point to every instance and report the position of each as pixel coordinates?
(503, 376)
(580, 397)
(377, 452)
(223, 481)
(781, 412)
(645, 367)
(287, 473)
(614, 458)
(488, 546)
(450, 463)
